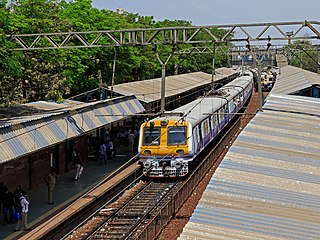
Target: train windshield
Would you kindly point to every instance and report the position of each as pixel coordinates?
(151, 136)
(177, 136)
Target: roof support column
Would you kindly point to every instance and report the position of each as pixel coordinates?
(213, 76)
(163, 81)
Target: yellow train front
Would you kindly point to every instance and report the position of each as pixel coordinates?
(165, 147)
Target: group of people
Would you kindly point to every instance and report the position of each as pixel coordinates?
(128, 136)
(108, 146)
(14, 207)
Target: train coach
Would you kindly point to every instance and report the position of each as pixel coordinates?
(168, 144)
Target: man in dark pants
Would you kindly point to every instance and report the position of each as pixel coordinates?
(24, 203)
(8, 204)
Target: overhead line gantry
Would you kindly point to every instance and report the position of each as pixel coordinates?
(167, 35)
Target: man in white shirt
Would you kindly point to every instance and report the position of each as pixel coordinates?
(23, 214)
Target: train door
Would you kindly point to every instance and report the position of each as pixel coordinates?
(237, 102)
(232, 105)
(205, 132)
(214, 124)
(210, 126)
(226, 112)
(221, 118)
(196, 137)
(200, 136)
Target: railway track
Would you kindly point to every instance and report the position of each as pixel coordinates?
(134, 213)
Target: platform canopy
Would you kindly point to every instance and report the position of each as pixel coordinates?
(21, 135)
(148, 91)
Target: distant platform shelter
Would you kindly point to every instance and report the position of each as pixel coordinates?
(180, 89)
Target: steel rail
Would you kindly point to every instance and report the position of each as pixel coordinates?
(98, 226)
(125, 220)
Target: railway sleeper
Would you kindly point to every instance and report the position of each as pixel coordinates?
(130, 215)
(119, 228)
(107, 236)
(121, 222)
(137, 209)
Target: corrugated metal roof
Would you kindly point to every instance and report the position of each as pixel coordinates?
(150, 90)
(22, 136)
(294, 79)
(268, 184)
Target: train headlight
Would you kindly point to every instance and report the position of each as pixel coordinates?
(147, 152)
(177, 164)
(180, 151)
(147, 164)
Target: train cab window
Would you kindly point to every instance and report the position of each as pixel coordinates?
(177, 135)
(151, 136)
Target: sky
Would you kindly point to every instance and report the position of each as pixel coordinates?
(213, 12)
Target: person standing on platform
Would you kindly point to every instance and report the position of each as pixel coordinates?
(103, 153)
(131, 138)
(77, 163)
(90, 142)
(8, 206)
(111, 150)
(24, 209)
(50, 180)
(17, 194)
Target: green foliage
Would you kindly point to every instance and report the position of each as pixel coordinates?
(305, 56)
(58, 74)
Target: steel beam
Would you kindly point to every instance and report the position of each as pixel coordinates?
(168, 35)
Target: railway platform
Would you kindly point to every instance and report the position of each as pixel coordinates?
(66, 190)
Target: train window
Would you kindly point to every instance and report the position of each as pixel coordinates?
(241, 98)
(196, 135)
(214, 121)
(151, 136)
(177, 135)
(210, 123)
(221, 114)
(232, 105)
(205, 127)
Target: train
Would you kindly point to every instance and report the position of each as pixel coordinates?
(267, 81)
(170, 143)
(268, 78)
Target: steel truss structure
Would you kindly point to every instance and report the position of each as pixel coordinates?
(170, 35)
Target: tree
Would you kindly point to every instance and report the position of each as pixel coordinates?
(57, 74)
(304, 55)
